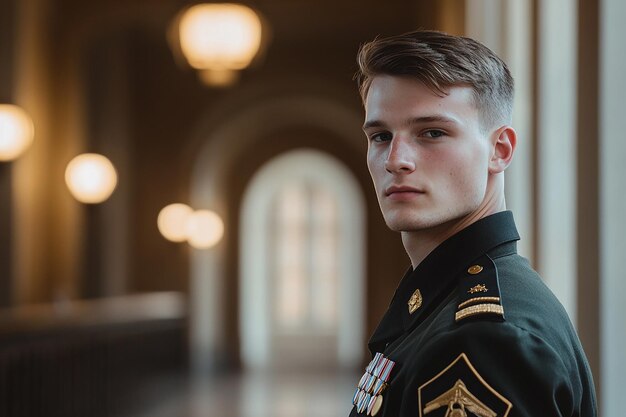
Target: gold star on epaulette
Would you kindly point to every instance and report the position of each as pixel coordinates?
(477, 288)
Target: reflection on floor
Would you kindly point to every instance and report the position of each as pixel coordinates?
(255, 395)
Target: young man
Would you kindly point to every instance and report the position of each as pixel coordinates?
(471, 330)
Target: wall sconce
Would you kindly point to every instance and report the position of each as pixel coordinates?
(16, 131)
(91, 178)
(218, 40)
(172, 221)
(202, 229)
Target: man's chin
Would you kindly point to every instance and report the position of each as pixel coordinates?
(404, 225)
(415, 223)
(406, 219)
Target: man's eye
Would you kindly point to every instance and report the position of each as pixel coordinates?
(381, 137)
(434, 133)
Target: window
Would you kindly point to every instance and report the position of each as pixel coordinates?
(302, 264)
(305, 234)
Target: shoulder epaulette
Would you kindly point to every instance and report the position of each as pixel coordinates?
(479, 292)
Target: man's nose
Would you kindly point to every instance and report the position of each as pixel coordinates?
(400, 158)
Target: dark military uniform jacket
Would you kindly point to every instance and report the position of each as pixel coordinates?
(473, 331)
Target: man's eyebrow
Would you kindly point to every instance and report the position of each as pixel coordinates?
(413, 121)
(430, 119)
(373, 123)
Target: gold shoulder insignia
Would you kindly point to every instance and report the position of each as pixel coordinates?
(479, 291)
(457, 399)
(460, 388)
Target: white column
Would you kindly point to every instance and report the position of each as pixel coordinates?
(483, 22)
(505, 27)
(556, 145)
(612, 205)
(206, 308)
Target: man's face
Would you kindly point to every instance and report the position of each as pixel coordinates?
(427, 155)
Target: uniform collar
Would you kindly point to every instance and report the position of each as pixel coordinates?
(437, 274)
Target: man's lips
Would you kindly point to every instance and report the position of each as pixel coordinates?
(402, 189)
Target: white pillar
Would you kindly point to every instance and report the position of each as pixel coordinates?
(556, 149)
(612, 205)
(505, 26)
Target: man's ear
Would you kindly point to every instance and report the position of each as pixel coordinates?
(504, 141)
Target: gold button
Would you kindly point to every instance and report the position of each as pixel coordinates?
(474, 269)
(415, 301)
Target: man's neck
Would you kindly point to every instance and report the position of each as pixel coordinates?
(420, 243)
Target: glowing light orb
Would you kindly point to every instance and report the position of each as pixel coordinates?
(204, 229)
(16, 131)
(172, 221)
(91, 178)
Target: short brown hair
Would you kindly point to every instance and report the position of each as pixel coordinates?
(440, 61)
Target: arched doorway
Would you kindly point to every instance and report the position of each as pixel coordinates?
(302, 264)
(223, 137)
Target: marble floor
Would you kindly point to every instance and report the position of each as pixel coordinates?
(284, 394)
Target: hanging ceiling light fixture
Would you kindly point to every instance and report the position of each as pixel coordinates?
(218, 40)
(16, 131)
